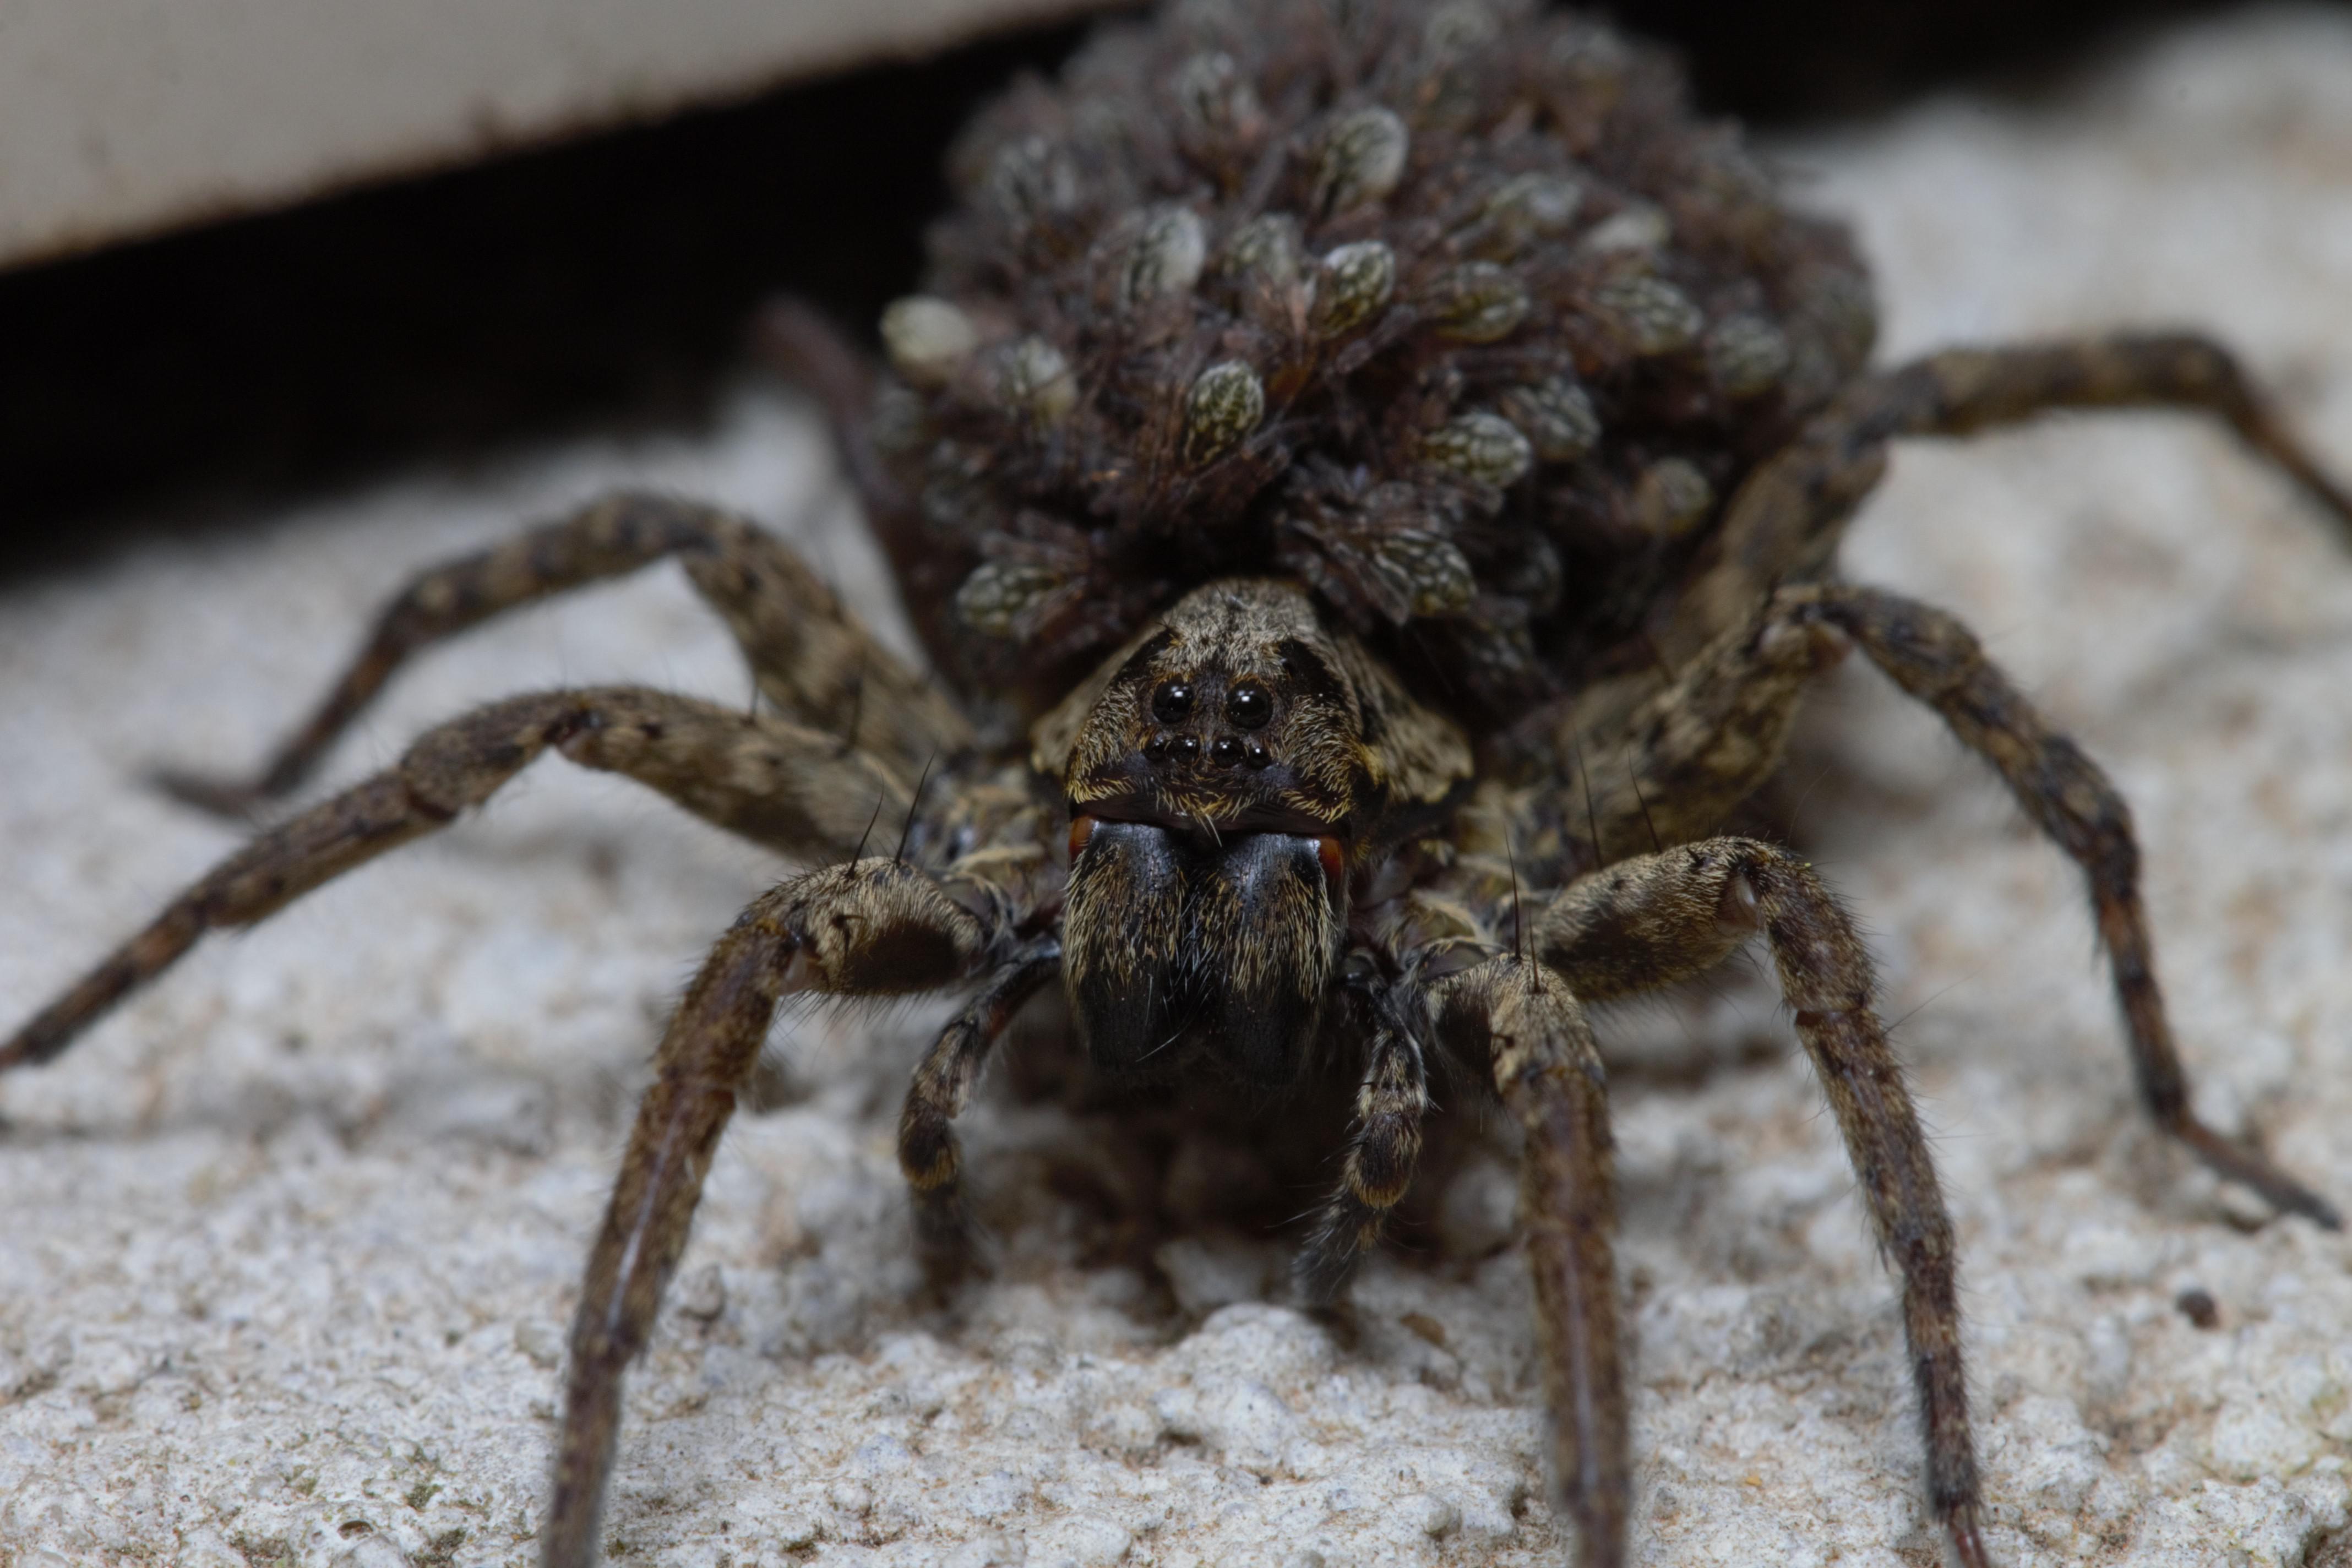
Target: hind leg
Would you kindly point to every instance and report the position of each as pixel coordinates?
(875, 927)
(1785, 521)
(811, 656)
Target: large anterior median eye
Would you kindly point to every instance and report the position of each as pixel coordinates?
(1171, 940)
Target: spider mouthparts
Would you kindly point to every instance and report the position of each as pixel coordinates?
(1173, 938)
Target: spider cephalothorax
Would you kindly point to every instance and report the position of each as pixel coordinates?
(1370, 473)
(1225, 784)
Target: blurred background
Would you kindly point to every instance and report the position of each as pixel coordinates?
(512, 251)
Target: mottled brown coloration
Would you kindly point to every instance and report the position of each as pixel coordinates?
(872, 927)
(1523, 1029)
(1450, 440)
(942, 1087)
(1465, 282)
(1391, 1105)
(1237, 768)
(1343, 745)
(778, 784)
(1658, 764)
(811, 656)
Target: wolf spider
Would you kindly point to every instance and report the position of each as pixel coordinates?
(1247, 845)
(1243, 845)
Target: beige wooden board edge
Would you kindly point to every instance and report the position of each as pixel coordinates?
(123, 119)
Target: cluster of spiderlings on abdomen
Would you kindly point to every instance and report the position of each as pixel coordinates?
(1452, 312)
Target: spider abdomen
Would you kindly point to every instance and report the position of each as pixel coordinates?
(1451, 312)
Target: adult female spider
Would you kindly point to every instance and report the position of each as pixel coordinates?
(1308, 844)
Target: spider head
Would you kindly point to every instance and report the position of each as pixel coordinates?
(1219, 787)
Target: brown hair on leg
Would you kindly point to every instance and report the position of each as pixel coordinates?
(767, 780)
(928, 1154)
(1785, 521)
(1649, 921)
(1523, 1029)
(1391, 1105)
(810, 655)
(1932, 655)
(874, 927)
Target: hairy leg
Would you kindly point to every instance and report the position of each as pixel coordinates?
(811, 656)
(1648, 922)
(1934, 658)
(777, 783)
(1679, 761)
(1391, 1105)
(1786, 520)
(1645, 767)
(1523, 1031)
(874, 927)
(928, 1154)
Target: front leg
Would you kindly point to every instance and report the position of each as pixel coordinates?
(1523, 1031)
(1650, 921)
(1392, 1103)
(871, 928)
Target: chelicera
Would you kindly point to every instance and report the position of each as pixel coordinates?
(1370, 477)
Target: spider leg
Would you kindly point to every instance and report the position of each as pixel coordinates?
(1681, 758)
(1658, 918)
(928, 1152)
(1932, 656)
(1648, 767)
(1524, 1032)
(1785, 519)
(1390, 1107)
(811, 656)
(770, 781)
(873, 927)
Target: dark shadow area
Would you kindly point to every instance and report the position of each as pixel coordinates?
(608, 281)
(1813, 60)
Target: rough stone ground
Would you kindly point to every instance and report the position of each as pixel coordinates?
(289, 1243)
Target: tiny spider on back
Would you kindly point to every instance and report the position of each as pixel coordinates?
(1369, 477)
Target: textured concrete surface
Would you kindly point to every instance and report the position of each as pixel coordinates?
(289, 1243)
(122, 117)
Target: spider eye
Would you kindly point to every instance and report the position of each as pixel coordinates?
(1249, 705)
(1172, 701)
